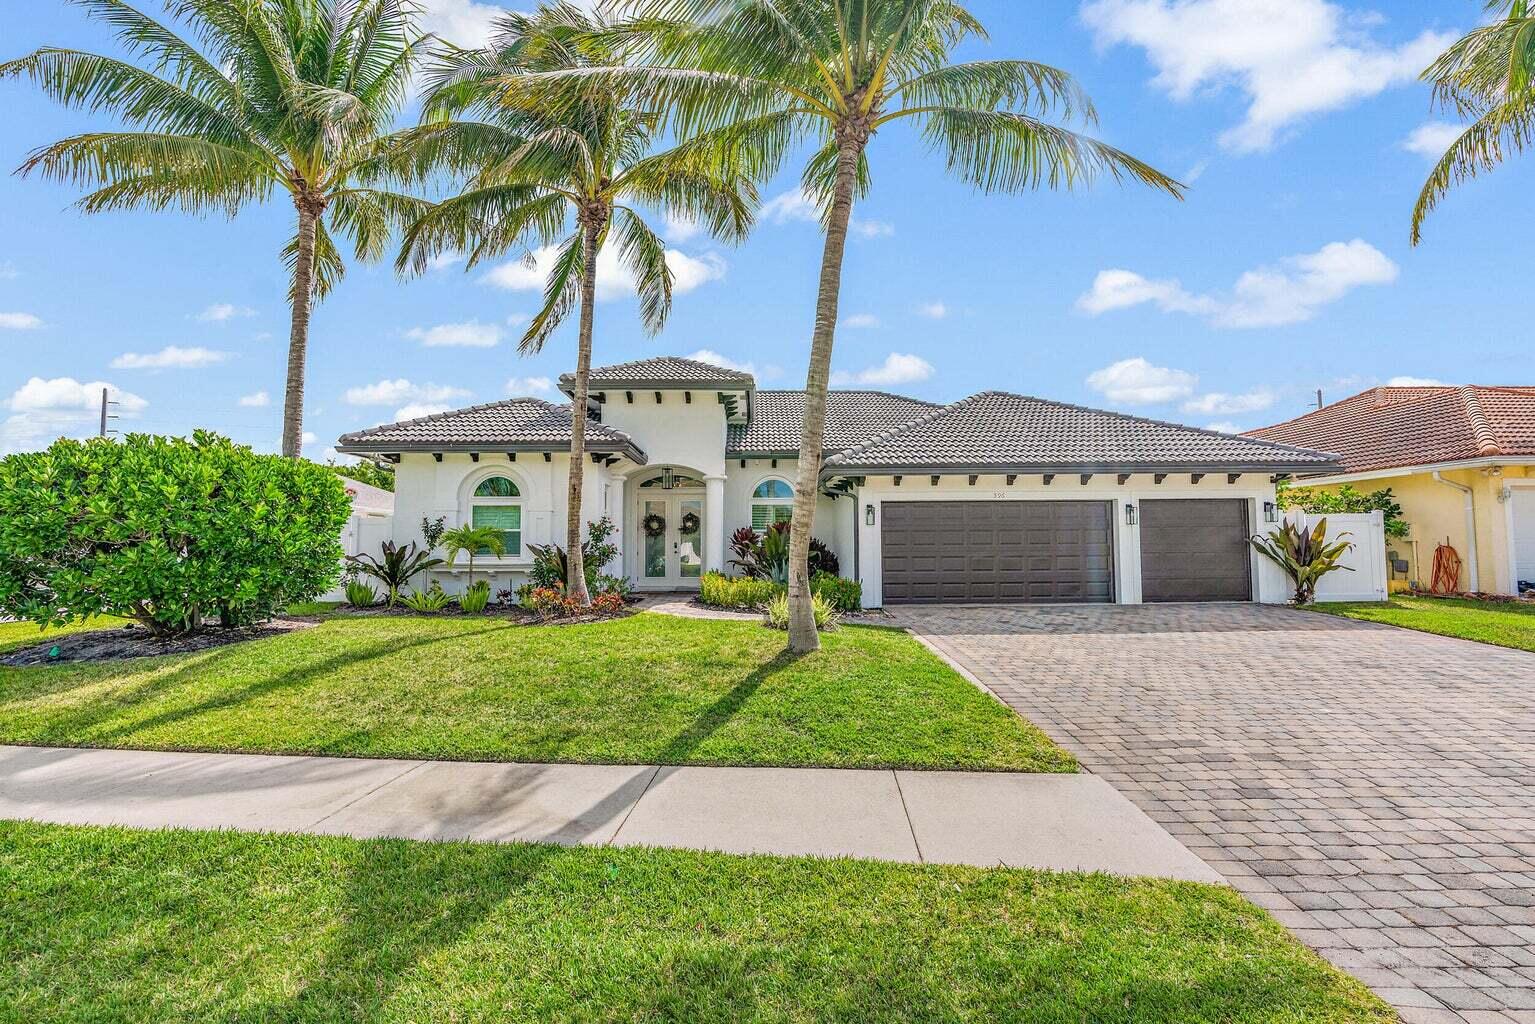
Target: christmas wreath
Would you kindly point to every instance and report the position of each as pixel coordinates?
(689, 523)
(655, 524)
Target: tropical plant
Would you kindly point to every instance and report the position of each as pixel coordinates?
(432, 599)
(529, 168)
(843, 595)
(475, 597)
(394, 566)
(1304, 554)
(166, 531)
(360, 595)
(1346, 500)
(745, 81)
(825, 615)
(766, 555)
(473, 540)
(1485, 76)
(276, 95)
(551, 563)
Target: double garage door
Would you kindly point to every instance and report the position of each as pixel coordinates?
(1059, 552)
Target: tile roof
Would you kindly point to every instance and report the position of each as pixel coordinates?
(852, 417)
(1389, 428)
(516, 423)
(663, 371)
(996, 430)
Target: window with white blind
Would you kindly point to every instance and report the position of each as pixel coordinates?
(772, 502)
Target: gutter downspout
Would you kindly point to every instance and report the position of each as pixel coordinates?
(1476, 585)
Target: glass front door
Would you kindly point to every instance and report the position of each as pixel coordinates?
(672, 533)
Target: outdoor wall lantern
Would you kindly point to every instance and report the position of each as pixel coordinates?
(1270, 512)
(868, 515)
(1129, 514)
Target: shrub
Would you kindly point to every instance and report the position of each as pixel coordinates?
(360, 595)
(164, 530)
(1304, 555)
(432, 531)
(619, 585)
(371, 473)
(432, 599)
(1346, 499)
(551, 565)
(778, 612)
(843, 595)
(720, 591)
(608, 604)
(766, 555)
(549, 603)
(475, 598)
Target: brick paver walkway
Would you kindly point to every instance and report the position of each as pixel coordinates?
(1373, 787)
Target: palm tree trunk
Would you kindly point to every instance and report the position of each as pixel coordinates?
(575, 580)
(802, 632)
(298, 337)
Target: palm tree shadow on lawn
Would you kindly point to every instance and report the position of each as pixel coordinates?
(713, 718)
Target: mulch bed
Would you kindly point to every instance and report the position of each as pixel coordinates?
(138, 642)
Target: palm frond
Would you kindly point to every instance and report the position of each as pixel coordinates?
(1506, 129)
(562, 292)
(1025, 86)
(370, 217)
(143, 36)
(644, 254)
(483, 223)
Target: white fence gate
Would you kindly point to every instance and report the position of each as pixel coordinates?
(363, 532)
(1367, 582)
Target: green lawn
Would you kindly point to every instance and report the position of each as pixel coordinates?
(1506, 625)
(645, 689)
(25, 634)
(120, 925)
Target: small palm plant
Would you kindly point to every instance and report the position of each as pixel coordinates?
(473, 540)
(1304, 554)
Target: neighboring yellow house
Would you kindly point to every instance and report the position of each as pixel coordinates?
(1460, 460)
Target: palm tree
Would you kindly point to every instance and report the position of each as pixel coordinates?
(745, 81)
(288, 95)
(1485, 75)
(473, 540)
(531, 170)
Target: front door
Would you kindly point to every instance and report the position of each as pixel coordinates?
(672, 541)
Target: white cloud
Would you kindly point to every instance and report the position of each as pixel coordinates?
(1224, 427)
(898, 368)
(416, 410)
(790, 205)
(463, 23)
(394, 392)
(19, 322)
(171, 357)
(1415, 382)
(713, 358)
(41, 410)
(471, 334)
(1291, 291)
(933, 310)
(861, 321)
(871, 228)
(444, 260)
(1432, 138)
(256, 400)
(219, 312)
(614, 281)
(1291, 58)
(681, 229)
(1219, 403)
(1138, 382)
(529, 385)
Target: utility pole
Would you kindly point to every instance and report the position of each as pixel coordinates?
(105, 415)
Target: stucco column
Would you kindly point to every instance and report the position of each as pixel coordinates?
(616, 509)
(714, 523)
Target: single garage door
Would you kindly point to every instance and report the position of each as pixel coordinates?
(1195, 549)
(982, 552)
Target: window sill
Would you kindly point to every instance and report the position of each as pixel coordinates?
(488, 565)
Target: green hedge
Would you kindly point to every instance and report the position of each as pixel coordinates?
(720, 591)
(166, 531)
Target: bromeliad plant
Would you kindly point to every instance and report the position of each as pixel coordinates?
(395, 566)
(765, 555)
(1304, 554)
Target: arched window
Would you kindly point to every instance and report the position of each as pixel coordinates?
(497, 503)
(669, 480)
(772, 502)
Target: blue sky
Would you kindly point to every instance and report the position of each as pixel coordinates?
(1299, 125)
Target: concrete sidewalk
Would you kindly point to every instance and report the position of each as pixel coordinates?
(1064, 822)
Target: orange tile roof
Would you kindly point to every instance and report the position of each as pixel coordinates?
(1388, 428)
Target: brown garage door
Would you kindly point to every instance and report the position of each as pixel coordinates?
(982, 552)
(1195, 550)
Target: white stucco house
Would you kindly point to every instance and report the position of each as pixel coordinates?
(995, 498)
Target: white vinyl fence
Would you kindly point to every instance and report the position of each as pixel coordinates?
(1367, 559)
(364, 531)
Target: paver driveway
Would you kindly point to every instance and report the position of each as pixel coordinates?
(1374, 787)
